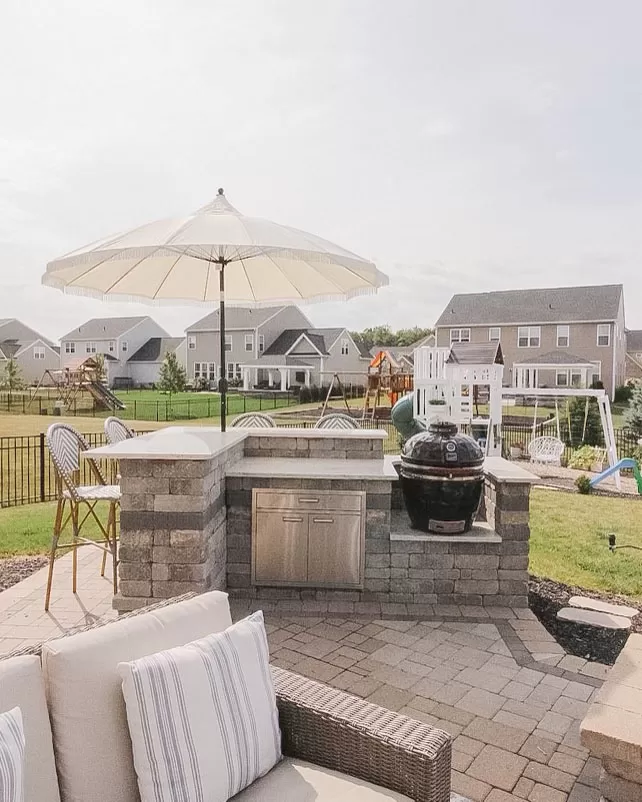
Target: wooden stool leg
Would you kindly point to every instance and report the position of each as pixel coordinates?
(74, 563)
(54, 546)
(114, 546)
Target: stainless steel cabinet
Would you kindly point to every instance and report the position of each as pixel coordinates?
(314, 539)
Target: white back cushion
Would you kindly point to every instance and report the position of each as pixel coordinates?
(89, 722)
(203, 717)
(12, 756)
(22, 685)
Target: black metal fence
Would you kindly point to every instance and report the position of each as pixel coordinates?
(201, 405)
(626, 441)
(27, 474)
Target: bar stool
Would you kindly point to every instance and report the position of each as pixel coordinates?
(65, 446)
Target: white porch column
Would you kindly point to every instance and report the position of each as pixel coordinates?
(283, 373)
(270, 379)
(307, 377)
(246, 378)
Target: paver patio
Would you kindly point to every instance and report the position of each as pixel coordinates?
(494, 678)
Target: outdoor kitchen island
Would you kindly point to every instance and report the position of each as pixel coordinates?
(305, 515)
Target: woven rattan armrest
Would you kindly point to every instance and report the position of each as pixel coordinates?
(331, 728)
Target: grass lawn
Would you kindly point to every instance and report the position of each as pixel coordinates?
(569, 541)
(27, 530)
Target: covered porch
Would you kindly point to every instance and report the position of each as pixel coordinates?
(280, 375)
(557, 369)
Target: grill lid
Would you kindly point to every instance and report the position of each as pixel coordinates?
(442, 446)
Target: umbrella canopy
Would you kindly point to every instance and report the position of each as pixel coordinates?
(214, 255)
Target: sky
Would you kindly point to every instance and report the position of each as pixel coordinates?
(464, 146)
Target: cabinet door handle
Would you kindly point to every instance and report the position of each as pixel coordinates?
(323, 520)
(292, 520)
(309, 500)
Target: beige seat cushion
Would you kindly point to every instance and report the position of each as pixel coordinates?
(22, 685)
(91, 738)
(298, 781)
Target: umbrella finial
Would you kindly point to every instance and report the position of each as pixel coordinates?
(221, 191)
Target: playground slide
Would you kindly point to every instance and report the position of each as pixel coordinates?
(105, 396)
(626, 463)
(402, 416)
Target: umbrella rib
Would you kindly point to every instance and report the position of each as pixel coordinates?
(133, 267)
(173, 265)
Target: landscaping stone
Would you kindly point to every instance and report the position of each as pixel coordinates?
(585, 603)
(594, 619)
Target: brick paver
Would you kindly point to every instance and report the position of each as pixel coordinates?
(514, 721)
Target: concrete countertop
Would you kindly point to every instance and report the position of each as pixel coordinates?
(173, 443)
(311, 468)
(205, 442)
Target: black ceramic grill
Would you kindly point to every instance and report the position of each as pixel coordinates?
(442, 479)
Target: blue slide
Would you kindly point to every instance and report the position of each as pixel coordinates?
(626, 463)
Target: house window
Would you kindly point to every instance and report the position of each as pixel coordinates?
(597, 372)
(124, 346)
(261, 343)
(234, 371)
(191, 342)
(494, 334)
(576, 378)
(561, 378)
(70, 348)
(604, 334)
(528, 337)
(205, 370)
(459, 336)
(90, 348)
(345, 347)
(228, 342)
(563, 333)
(38, 352)
(112, 346)
(299, 376)
(249, 342)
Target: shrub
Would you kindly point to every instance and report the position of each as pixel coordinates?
(583, 484)
(633, 415)
(622, 394)
(582, 458)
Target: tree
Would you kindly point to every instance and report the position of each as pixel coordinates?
(100, 369)
(633, 415)
(386, 337)
(593, 434)
(173, 377)
(11, 378)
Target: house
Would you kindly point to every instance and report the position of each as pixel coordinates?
(33, 353)
(144, 365)
(306, 357)
(248, 332)
(117, 338)
(634, 355)
(561, 337)
(271, 346)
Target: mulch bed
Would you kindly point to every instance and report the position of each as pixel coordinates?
(15, 569)
(546, 598)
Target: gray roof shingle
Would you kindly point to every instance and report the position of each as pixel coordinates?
(287, 338)
(154, 349)
(236, 317)
(555, 305)
(104, 328)
(634, 340)
(476, 354)
(554, 358)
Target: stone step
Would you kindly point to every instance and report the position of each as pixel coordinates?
(602, 607)
(593, 618)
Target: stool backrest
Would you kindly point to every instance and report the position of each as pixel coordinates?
(65, 446)
(336, 420)
(117, 430)
(254, 420)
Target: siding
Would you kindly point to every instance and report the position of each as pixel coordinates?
(582, 343)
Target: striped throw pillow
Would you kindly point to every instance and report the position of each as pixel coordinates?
(12, 756)
(202, 717)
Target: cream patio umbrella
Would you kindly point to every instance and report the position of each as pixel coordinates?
(179, 259)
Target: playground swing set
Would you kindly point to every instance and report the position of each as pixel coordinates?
(74, 380)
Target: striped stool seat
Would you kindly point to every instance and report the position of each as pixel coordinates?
(95, 492)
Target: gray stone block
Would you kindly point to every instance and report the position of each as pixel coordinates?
(476, 586)
(167, 590)
(160, 572)
(134, 571)
(434, 561)
(134, 587)
(518, 562)
(179, 554)
(477, 562)
(135, 554)
(377, 560)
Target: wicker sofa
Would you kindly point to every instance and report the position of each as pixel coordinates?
(336, 746)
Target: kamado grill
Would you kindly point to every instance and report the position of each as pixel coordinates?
(442, 479)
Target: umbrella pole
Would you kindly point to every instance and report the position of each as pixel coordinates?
(222, 385)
